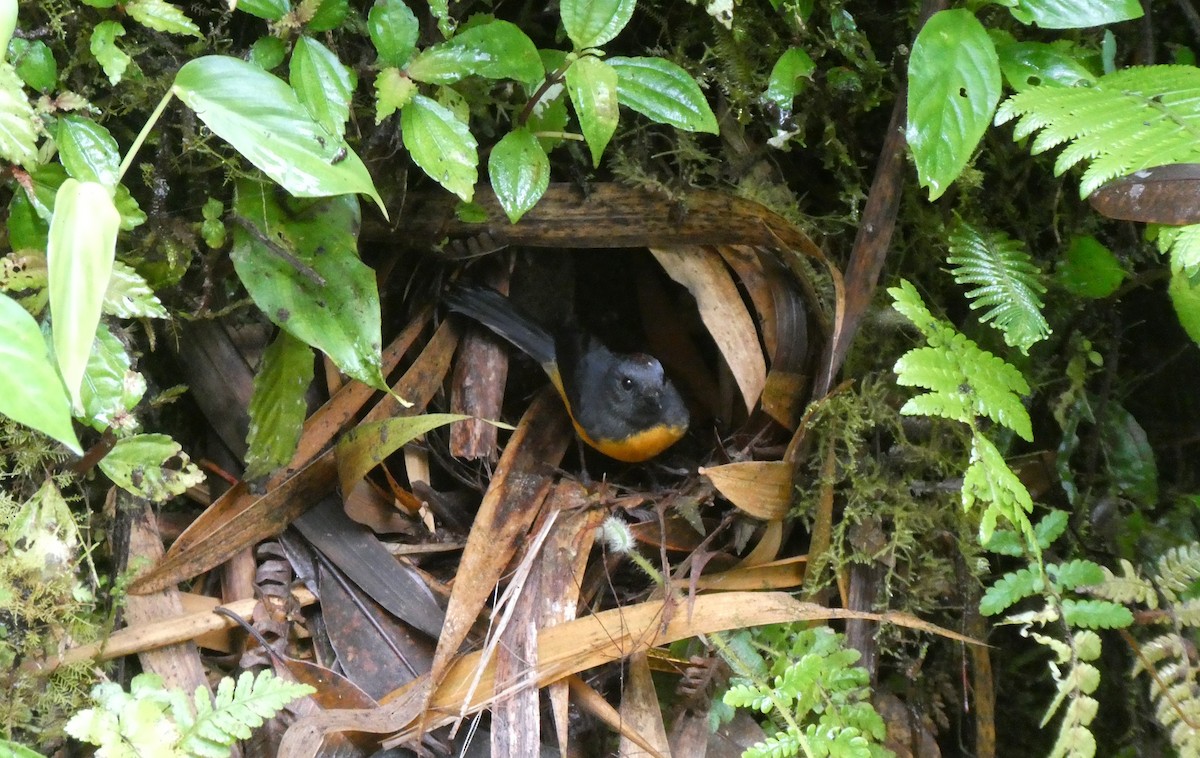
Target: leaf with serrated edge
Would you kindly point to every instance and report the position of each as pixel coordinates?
(591, 23)
(88, 151)
(161, 17)
(592, 85)
(79, 258)
(953, 88)
(103, 46)
(520, 172)
(262, 118)
(31, 392)
(663, 92)
(441, 145)
(18, 138)
(278, 406)
(152, 466)
(129, 295)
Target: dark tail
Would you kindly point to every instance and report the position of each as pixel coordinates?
(493, 310)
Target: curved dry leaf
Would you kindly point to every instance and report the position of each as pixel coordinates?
(762, 489)
(702, 271)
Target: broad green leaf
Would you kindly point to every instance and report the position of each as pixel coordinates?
(953, 88)
(393, 91)
(592, 85)
(81, 246)
(496, 50)
(1090, 269)
(103, 45)
(323, 85)
(26, 230)
(271, 10)
(520, 172)
(31, 392)
(35, 63)
(329, 15)
(367, 445)
(663, 92)
(129, 295)
(8, 24)
(788, 78)
(300, 264)
(278, 407)
(1130, 458)
(1073, 14)
(393, 29)
(161, 16)
(591, 23)
(18, 137)
(87, 151)
(14, 749)
(1031, 64)
(267, 52)
(441, 145)
(111, 388)
(1185, 296)
(152, 466)
(262, 118)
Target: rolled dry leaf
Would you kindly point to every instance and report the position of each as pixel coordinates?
(763, 489)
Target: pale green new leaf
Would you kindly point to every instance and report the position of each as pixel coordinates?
(323, 84)
(262, 118)
(591, 23)
(31, 391)
(1006, 282)
(161, 16)
(87, 151)
(278, 406)
(79, 259)
(953, 88)
(1128, 120)
(152, 466)
(663, 92)
(441, 145)
(1073, 14)
(520, 172)
(592, 85)
(300, 265)
(103, 46)
(393, 91)
(18, 137)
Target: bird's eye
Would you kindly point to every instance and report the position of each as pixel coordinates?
(626, 383)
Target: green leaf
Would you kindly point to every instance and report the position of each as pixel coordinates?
(235, 711)
(13, 749)
(278, 406)
(103, 45)
(1096, 614)
(35, 63)
(1032, 64)
(441, 145)
(271, 10)
(1051, 527)
(300, 264)
(1185, 297)
(329, 15)
(1076, 573)
(1073, 14)
(592, 85)
(262, 118)
(1130, 458)
(87, 151)
(31, 392)
(161, 16)
(393, 91)
(18, 136)
(591, 23)
(323, 85)
(788, 78)
(393, 29)
(212, 229)
(26, 230)
(663, 92)
(953, 88)
(152, 466)
(81, 247)
(1006, 282)
(8, 24)
(1090, 269)
(989, 479)
(1183, 245)
(111, 388)
(520, 172)
(495, 50)
(129, 295)
(367, 445)
(1008, 590)
(267, 52)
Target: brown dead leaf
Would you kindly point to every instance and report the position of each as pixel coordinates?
(763, 489)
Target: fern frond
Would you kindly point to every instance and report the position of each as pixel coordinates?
(1128, 588)
(238, 709)
(1009, 590)
(781, 745)
(1006, 282)
(1075, 573)
(988, 478)
(1178, 571)
(1096, 614)
(1127, 120)
(1182, 243)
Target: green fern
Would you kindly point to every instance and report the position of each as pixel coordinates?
(1179, 572)
(1182, 243)
(1006, 282)
(1127, 120)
